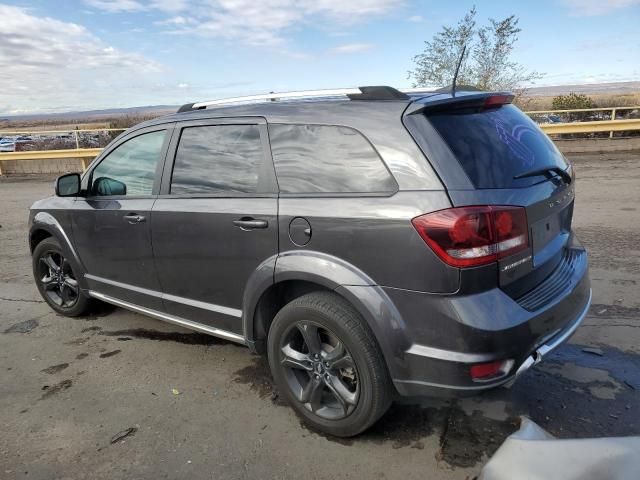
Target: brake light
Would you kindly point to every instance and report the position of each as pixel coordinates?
(472, 236)
(497, 100)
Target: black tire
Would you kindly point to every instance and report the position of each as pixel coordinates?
(56, 281)
(355, 390)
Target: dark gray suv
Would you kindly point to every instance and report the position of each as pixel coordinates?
(370, 242)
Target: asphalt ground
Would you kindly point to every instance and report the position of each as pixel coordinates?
(119, 395)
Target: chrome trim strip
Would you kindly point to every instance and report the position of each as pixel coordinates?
(278, 96)
(450, 355)
(232, 312)
(234, 337)
(124, 286)
(483, 386)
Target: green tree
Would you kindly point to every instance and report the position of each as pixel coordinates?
(572, 101)
(486, 64)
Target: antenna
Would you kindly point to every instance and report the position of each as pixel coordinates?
(455, 75)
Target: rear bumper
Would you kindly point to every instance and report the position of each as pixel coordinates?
(454, 332)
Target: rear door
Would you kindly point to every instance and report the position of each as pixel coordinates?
(215, 221)
(481, 153)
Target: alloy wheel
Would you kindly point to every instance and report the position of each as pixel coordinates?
(319, 370)
(57, 279)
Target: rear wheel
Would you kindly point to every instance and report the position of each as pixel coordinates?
(327, 364)
(56, 280)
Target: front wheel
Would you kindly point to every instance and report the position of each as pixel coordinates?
(327, 364)
(56, 280)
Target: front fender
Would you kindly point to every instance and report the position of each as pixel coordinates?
(47, 222)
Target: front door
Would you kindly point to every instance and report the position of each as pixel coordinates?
(215, 221)
(111, 225)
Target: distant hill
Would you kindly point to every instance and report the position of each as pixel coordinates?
(612, 88)
(96, 114)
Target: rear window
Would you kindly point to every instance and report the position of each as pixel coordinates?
(493, 146)
(326, 159)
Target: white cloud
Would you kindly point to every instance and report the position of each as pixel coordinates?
(115, 6)
(254, 22)
(579, 8)
(415, 18)
(43, 60)
(352, 48)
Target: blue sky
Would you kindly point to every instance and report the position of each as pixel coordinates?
(84, 54)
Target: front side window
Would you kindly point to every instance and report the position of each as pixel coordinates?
(130, 168)
(218, 159)
(326, 159)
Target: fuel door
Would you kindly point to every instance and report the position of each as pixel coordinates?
(300, 231)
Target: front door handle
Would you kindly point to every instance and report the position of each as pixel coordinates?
(134, 218)
(249, 223)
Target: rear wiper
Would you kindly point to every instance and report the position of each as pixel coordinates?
(566, 176)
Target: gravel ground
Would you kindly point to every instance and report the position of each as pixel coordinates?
(119, 395)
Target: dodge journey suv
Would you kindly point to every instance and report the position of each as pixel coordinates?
(370, 242)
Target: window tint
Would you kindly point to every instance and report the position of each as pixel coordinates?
(326, 159)
(493, 146)
(218, 159)
(130, 168)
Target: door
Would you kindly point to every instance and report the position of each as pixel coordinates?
(111, 225)
(215, 221)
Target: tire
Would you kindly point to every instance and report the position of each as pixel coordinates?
(56, 280)
(345, 388)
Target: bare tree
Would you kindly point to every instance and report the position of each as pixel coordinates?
(486, 64)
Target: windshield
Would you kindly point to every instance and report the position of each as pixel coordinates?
(493, 146)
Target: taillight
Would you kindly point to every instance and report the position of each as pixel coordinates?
(483, 372)
(471, 236)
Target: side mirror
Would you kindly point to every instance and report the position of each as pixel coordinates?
(68, 185)
(105, 186)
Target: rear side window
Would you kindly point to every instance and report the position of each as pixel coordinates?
(493, 146)
(218, 159)
(326, 159)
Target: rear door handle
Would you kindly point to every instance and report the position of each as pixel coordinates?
(134, 218)
(248, 223)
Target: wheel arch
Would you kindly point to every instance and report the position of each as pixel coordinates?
(297, 273)
(43, 226)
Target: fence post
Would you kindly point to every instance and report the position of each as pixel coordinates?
(613, 117)
(75, 133)
(0, 168)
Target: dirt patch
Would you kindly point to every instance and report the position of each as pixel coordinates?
(55, 389)
(53, 369)
(258, 377)
(110, 354)
(91, 329)
(80, 356)
(194, 338)
(23, 327)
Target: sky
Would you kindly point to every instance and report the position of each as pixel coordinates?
(72, 55)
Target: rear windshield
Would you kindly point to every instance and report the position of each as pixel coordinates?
(493, 146)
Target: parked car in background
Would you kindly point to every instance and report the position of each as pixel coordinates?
(370, 242)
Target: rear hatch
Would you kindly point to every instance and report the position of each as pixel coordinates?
(489, 153)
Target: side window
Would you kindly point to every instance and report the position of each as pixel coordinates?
(326, 159)
(218, 159)
(130, 168)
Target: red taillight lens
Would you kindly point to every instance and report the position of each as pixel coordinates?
(497, 100)
(491, 370)
(471, 236)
